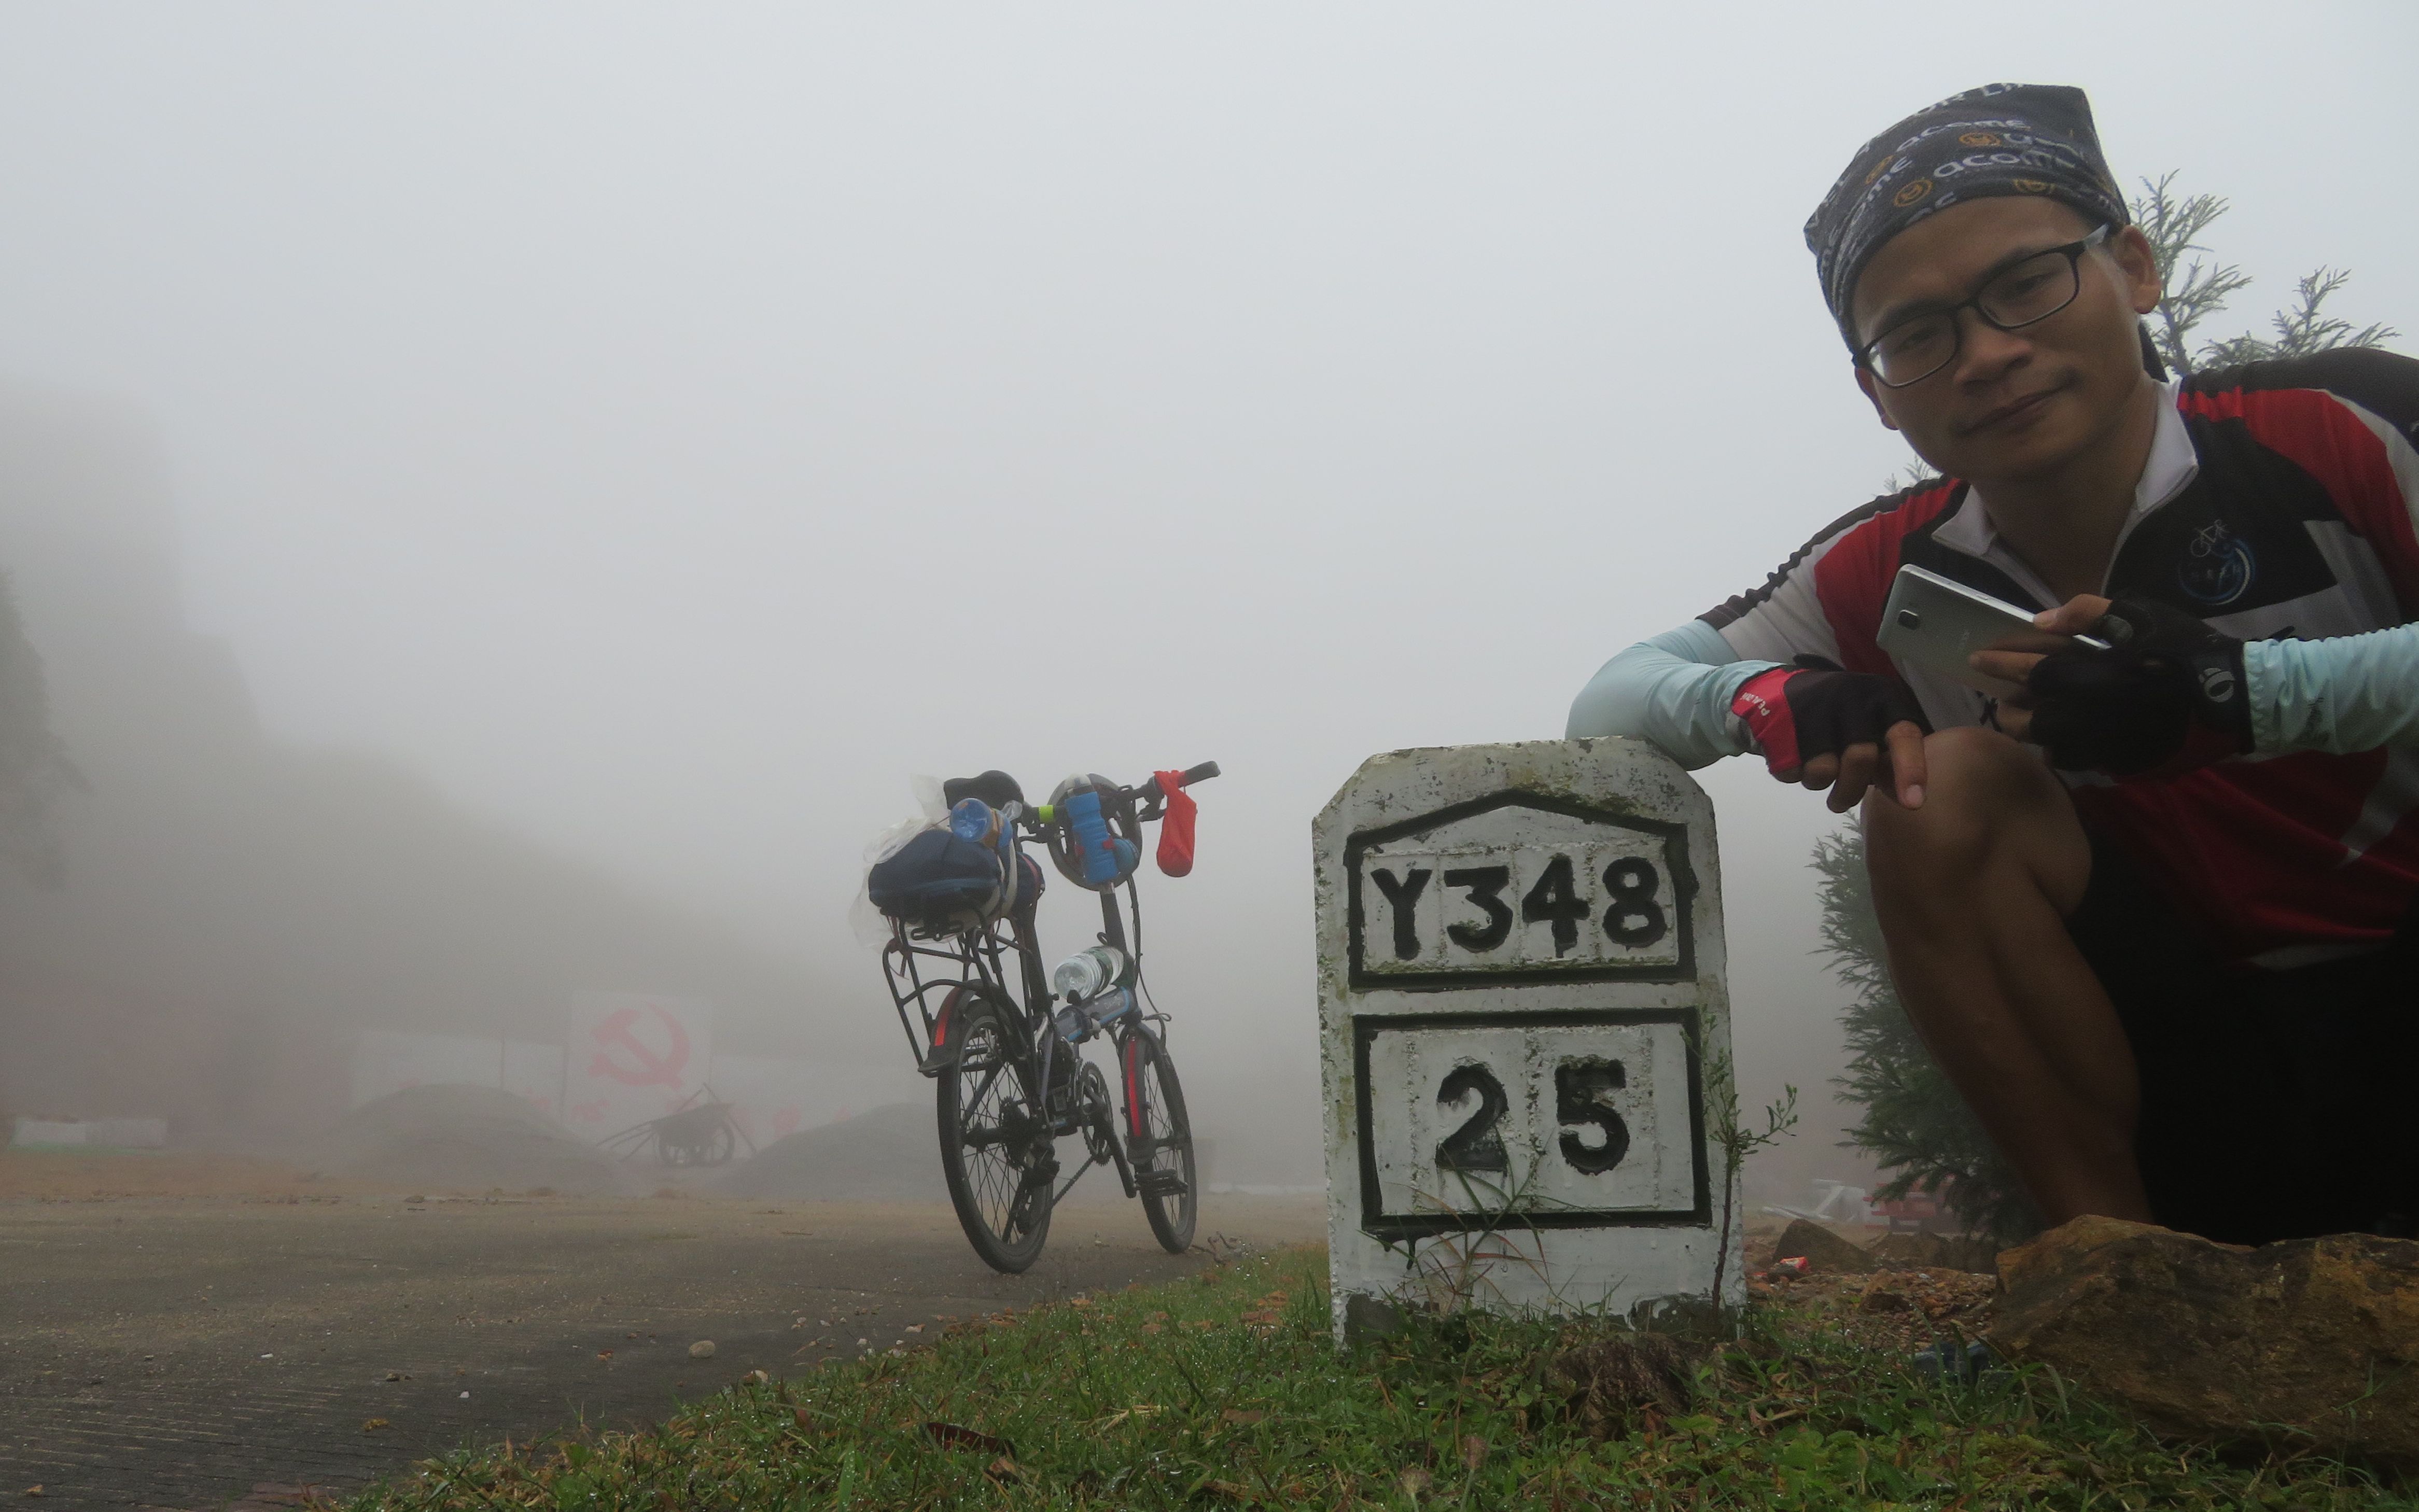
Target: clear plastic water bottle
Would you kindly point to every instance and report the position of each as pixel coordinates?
(1087, 973)
(1074, 1026)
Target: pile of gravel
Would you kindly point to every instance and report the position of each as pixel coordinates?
(468, 1139)
(890, 1154)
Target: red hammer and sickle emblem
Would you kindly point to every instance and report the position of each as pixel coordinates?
(652, 1069)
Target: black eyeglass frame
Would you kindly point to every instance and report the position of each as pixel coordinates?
(2072, 252)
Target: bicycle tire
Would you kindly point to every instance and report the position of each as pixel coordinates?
(1001, 1186)
(1160, 1141)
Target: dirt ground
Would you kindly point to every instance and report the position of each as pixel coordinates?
(196, 1332)
(87, 1176)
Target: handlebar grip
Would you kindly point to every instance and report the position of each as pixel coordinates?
(1155, 791)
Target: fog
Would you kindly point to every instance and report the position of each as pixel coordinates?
(598, 455)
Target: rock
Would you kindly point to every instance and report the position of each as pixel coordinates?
(2309, 1340)
(701, 1349)
(1613, 1382)
(1826, 1253)
(1366, 1318)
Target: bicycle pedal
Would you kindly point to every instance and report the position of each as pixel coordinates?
(1157, 1183)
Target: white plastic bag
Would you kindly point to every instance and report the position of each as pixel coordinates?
(866, 922)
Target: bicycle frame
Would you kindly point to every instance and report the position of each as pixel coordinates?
(979, 958)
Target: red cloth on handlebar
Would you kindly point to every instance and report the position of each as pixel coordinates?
(1176, 825)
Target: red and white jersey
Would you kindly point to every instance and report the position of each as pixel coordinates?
(2277, 502)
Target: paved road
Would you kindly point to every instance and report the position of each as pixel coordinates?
(189, 1352)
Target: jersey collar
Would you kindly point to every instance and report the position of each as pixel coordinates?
(2166, 471)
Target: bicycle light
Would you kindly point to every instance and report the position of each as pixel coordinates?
(1086, 974)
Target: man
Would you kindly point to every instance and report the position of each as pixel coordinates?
(2163, 952)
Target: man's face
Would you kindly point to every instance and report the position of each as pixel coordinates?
(2012, 404)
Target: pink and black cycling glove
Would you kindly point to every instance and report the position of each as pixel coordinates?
(1817, 708)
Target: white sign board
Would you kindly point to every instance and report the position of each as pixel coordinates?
(631, 1057)
(1520, 991)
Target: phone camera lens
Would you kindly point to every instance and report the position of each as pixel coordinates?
(1909, 619)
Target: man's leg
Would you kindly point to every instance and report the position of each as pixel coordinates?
(1973, 890)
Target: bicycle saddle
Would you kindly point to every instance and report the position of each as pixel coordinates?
(993, 787)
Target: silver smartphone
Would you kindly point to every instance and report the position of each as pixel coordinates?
(1935, 622)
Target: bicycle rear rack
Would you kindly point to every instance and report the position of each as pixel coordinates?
(975, 959)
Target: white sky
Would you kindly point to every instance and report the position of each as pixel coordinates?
(668, 427)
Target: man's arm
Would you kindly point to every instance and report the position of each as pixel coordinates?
(2353, 693)
(1719, 685)
(1684, 693)
(2356, 692)
(1672, 692)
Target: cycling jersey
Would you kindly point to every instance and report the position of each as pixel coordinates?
(2277, 505)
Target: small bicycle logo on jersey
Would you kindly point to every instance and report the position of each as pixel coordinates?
(2217, 566)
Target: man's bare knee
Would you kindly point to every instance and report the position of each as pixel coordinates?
(1974, 780)
(1985, 798)
(1976, 765)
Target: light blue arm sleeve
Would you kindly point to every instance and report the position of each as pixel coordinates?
(2353, 693)
(1672, 692)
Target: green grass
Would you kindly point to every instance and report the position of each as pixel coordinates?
(1224, 1392)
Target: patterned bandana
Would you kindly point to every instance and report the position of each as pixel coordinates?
(2000, 139)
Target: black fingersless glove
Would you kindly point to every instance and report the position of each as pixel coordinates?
(1818, 709)
(2168, 693)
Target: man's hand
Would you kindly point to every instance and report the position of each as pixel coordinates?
(2014, 661)
(2169, 691)
(1828, 728)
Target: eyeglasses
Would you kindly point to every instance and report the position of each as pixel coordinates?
(2015, 297)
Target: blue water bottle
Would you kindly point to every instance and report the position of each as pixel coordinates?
(973, 819)
(1094, 844)
(1108, 1005)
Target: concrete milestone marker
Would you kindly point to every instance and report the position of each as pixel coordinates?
(1521, 999)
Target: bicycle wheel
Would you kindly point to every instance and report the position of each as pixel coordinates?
(1159, 1142)
(997, 1151)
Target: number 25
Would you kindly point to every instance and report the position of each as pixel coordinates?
(1580, 1087)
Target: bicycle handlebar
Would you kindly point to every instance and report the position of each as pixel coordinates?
(1151, 796)
(1185, 779)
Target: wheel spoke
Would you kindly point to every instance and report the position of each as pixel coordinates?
(981, 1092)
(995, 1147)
